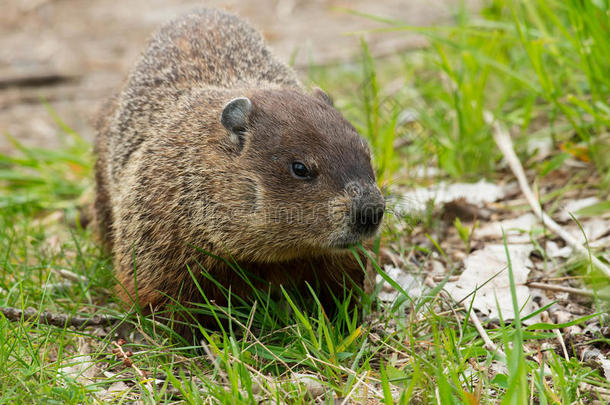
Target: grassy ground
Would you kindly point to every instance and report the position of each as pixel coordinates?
(540, 67)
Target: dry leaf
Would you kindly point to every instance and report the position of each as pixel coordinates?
(553, 250)
(516, 229)
(412, 285)
(476, 194)
(81, 367)
(593, 228)
(115, 391)
(490, 264)
(571, 207)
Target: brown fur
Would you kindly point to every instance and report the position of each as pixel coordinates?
(171, 179)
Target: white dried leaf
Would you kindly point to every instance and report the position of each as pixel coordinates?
(554, 251)
(516, 229)
(489, 266)
(592, 354)
(115, 391)
(424, 172)
(497, 367)
(601, 243)
(571, 207)
(81, 368)
(542, 146)
(437, 267)
(476, 194)
(593, 228)
(118, 386)
(412, 285)
(407, 116)
(312, 383)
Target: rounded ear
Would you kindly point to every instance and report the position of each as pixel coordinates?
(234, 118)
(322, 95)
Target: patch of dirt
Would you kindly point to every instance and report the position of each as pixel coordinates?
(75, 53)
(472, 222)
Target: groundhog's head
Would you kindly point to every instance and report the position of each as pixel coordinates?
(313, 189)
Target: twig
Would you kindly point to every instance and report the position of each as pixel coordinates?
(214, 360)
(450, 279)
(489, 345)
(35, 79)
(256, 340)
(560, 288)
(476, 322)
(347, 371)
(60, 320)
(129, 363)
(564, 278)
(562, 343)
(353, 390)
(505, 144)
(62, 286)
(68, 275)
(33, 95)
(603, 392)
(313, 386)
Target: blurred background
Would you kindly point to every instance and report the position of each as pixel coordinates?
(73, 54)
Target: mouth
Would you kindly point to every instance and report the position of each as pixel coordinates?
(346, 241)
(343, 246)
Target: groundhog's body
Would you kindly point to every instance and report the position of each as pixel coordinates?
(203, 151)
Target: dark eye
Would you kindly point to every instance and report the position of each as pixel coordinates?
(239, 130)
(300, 171)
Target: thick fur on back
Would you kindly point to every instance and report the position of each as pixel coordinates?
(171, 183)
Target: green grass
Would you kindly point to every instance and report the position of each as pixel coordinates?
(540, 67)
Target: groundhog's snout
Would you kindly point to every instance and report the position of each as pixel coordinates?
(366, 212)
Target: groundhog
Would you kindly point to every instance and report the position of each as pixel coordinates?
(213, 158)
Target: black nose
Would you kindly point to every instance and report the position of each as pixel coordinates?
(367, 217)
